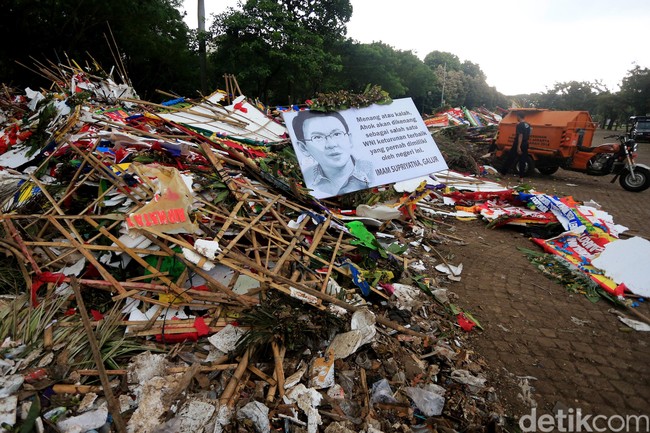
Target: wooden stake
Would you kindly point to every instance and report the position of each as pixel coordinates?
(113, 404)
(236, 377)
(270, 396)
(279, 369)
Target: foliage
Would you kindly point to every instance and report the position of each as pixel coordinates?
(11, 280)
(342, 100)
(285, 321)
(283, 170)
(572, 95)
(282, 51)
(288, 40)
(455, 151)
(448, 61)
(566, 274)
(400, 73)
(460, 84)
(635, 90)
(373, 63)
(151, 35)
(472, 70)
(41, 136)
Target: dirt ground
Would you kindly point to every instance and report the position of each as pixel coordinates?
(571, 351)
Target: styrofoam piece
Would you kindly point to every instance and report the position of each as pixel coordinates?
(87, 402)
(307, 399)
(418, 266)
(223, 418)
(322, 371)
(145, 366)
(345, 344)
(90, 420)
(258, 413)
(226, 339)
(133, 240)
(363, 320)
(8, 407)
(336, 392)
(195, 258)
(372, 222)
(10, 384)
(245, 283)
(193, 416)
(207, 248)
(405, 296)
(151, 403)
(293, 380)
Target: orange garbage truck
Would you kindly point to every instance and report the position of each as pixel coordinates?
(563, 139)
(554, 141)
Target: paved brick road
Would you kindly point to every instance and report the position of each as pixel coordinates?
(579, 353)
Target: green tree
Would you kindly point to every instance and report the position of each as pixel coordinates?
(635, 90)
(150, 34)
(375, 63)
(400, 73)
(449, 61)
(280, 50)
(571, 95)
(461, 84)
(472, 70)
(418, 79)
(611, 109)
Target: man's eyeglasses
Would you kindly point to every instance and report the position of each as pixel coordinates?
(321, 139)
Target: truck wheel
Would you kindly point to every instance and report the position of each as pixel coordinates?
(547, 171)
(638, 182)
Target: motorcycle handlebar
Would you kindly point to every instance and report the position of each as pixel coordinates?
(618, 137)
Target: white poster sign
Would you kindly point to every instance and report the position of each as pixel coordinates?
(350, 150)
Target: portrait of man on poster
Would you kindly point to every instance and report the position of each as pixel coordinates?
(326, 139)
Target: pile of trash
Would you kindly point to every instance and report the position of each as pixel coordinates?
(167, 272)
(479, 117)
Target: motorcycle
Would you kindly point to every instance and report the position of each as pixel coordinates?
(608, 158)
(614, 158)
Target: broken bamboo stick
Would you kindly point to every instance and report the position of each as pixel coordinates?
(113, 404)
(279, 369)
(236, 377)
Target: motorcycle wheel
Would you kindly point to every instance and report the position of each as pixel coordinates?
(547, 171)
(638, 182)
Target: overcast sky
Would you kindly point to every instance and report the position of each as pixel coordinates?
(521, 46)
